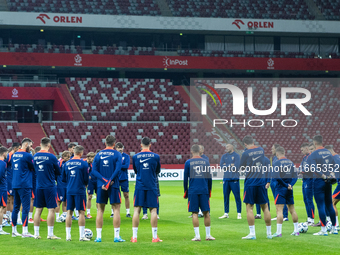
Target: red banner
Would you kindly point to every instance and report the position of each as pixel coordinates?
(173, 62)
(38, 93)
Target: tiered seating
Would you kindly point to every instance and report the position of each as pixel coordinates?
(324, 106)
(111, 50)
(9, 133)
(256, 9)
(255, 54)
(169, 140)
(108, 7)
(128, 99)
(329, 8)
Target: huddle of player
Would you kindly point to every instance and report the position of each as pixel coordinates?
(104, 172)
(319, 167)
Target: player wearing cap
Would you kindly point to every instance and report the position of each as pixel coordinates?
(106, 167)
(76, 175)
(147, 166)
(47, 169)
(23, 170)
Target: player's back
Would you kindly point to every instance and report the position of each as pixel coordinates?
(60, 182)
(198, 172)
(252, 161)
(285, 170)
(8, 161)
(106, 162)
(22, 165)
(147, 166)
(321, 162)
(3, 178)
(75, 174)
(46, 168)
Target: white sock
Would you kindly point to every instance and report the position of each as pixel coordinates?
(81, 231)
(128, 211)
(116, 230)
(328, 218)
(99, 233)
(279, 229)
(68, 233)
(10, 216)
(197, 232)
(200, 211)
(19, 215)
(134, 232)
(30, 215)
(226, 214)
(258, 215)
(312, 220)
(296, 226)
(269, 230)
(14, 229)
(88, 211)
(77, 213)
(323, 229)
(111, 211)
(154, 233)
(24, 230)
(252, 230)
(36, 230)
(207, 231)
(56, 215)
(337, 221)
(50, 231)
(0, 227)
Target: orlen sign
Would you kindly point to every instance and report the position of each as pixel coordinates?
(254, 24)
(60, 18)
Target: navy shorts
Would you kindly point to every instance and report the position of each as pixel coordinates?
(92, 187)
(336, 193)
(104, 195)
(9, 188)
(124, 185)
(76, 201)
(3, 198)
(146, 198)
(46, 198)
(283, 196)
(255, 195)
(196, 201)
(61, 194)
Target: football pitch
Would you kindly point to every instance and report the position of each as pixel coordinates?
(176, 231)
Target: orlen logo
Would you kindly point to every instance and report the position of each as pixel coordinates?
(42, 17)
(254, 24)
(239, 99)
(174, 62)
(60, 19)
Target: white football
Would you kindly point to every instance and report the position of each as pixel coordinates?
(88, 233)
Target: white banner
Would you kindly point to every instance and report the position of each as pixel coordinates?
(165, 175)
(181, 24)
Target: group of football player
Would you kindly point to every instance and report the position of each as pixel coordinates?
(36, 176)
(319, 170)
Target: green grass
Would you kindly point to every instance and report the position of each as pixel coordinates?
(176, 230)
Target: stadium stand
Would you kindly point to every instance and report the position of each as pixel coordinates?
(170, 140)
(278, 9)
(9, 133)
(330, 9)
(108, 99)
(103, 7)
(325, 109)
